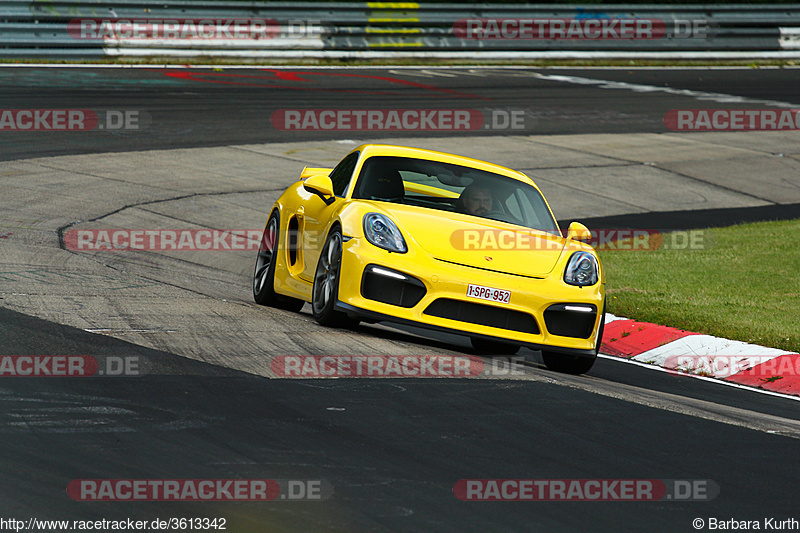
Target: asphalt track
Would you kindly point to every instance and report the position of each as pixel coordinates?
(392, 449)
(182, 108)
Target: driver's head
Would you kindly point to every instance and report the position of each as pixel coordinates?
(477, 199)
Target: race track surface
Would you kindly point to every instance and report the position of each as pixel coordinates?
(208, 404)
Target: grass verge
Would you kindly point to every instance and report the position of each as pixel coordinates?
(743, 284)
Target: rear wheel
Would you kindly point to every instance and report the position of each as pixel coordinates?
(487, 347)
(326, 284)
(264, 273)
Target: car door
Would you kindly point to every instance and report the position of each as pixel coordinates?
(316, 214)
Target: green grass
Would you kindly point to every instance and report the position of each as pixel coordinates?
(743, 285)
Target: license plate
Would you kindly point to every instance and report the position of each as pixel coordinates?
(488, 293)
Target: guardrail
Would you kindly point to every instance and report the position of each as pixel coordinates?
(188, 28)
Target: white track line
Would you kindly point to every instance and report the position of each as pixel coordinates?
(642, 88)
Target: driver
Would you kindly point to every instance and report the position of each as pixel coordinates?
(476, 200)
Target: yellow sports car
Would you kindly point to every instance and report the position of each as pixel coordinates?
(435, 240)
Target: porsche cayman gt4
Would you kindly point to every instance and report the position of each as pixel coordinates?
(438, 241)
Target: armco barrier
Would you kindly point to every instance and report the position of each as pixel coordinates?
(47, 29)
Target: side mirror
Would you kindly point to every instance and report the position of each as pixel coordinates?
(321, 185)
(578, 232)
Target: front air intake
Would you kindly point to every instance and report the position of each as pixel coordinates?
(483, 315)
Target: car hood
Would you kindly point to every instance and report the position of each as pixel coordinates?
(479, 243)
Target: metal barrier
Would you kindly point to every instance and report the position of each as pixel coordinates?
(188, 28)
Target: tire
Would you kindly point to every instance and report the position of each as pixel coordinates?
(487, 347)
(567, 364)
(573, 364)
(326, 284)
(264, 272)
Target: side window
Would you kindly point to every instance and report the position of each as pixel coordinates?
(340, 176)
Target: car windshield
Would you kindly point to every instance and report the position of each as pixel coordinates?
(453, 188)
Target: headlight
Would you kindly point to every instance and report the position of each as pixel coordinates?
(581, 270)
(383, 233)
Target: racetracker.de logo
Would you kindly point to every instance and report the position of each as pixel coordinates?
(73, 366)
(209, 490)
(764, 367)
(70, 120)
(398, 119)
(559, 28)
(173, 489)
(384, 366)
(173, 28)
(732, 119)
(603, 239)
(551, 490)
(185, 240)
(47, 119)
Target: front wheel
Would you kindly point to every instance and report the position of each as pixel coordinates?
(264, 273)
(326, 284)
(573, 364)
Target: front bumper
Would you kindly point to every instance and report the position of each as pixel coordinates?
(531, 297)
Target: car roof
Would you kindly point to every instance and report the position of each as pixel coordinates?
(370, 150)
